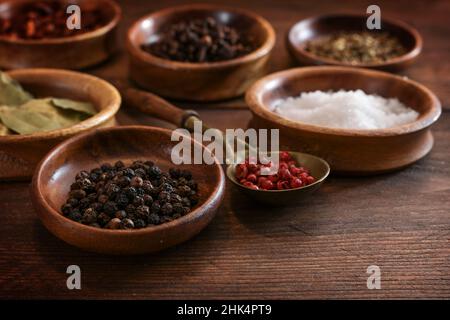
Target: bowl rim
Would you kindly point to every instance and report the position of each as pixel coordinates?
(218, 192)
(426, 119)
(231, 169)
(93, 121)
(410, 55)
(70, 39)
(264, 49)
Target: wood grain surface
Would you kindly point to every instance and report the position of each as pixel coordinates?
(321, 249)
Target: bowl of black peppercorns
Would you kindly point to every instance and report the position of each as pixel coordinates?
(199, 52)
(116, 191)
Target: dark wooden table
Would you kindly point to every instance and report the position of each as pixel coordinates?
(399, 222)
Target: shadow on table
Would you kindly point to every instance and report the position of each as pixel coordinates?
(116, 273)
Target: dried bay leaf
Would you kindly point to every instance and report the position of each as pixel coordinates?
(85, 107)
(11, 92)
(4, 131)
(38, 115)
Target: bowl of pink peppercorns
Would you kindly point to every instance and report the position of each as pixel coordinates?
(298, 175)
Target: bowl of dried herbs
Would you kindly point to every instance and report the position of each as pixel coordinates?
(41, 107)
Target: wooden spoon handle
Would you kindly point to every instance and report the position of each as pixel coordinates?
(153, 105)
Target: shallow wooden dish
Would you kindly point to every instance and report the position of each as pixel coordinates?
(318, 168)
(198, 81)
(19, 154)
(311, 28)
(51, 184)
(348, 151)
(75, 52)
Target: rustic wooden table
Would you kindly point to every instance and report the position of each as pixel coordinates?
(399, 221)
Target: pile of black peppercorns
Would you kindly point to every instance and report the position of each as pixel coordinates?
(199, 40)
(130, 197)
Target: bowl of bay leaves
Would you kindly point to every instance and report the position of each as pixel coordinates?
(41, 107)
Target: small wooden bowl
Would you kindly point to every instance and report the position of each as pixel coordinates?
(312, 28)
(51, 184)
(198, 81)
(75, 52)
(19, 154)
(318, 168)
(348, 151)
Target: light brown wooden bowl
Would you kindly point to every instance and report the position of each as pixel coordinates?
(348, 151)
(51, 184)
(75, 52)
(198, 81)
(311, 28)
(19, 154)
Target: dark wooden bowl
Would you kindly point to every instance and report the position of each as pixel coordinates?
(19, 154)
(348, 151)
(312, 28)
(73, 52)
(198, 81)
(51, 184)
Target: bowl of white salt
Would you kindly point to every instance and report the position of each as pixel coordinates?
(361, 121)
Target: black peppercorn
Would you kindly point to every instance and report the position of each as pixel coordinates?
(121, 200)
(78, 194)
(154, 172)
(136, 182)
(140, 172)
(110, 208)
(143, 211)
(120, 214)
(139, 223)
(123, 181)
(166, 209)
(127, 224)
(103, 198)
(138, 201)
(153, 219)
(130, 192)
(121, 197)
(103, 218)
(114, 223)
(89, 216)
(148, 199)
(156, 207)
(164, 196)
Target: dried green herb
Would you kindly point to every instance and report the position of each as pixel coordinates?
(84, 107)
(357, 47)
(38, 115)
(11, 92)
(21, 113)
(4, 131)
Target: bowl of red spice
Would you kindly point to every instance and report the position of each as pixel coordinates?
(298, 175)
(37, 33)
(199, 52)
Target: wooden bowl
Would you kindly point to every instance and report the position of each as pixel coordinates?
(198, 81)
(51, 184)
(348, 151)
(73, 52)
(318, 168)
(19, 154)
(312, 28)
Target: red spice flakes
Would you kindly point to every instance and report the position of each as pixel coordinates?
(290, 175)
(47, 19)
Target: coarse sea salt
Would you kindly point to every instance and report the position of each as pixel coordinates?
(345, 109)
